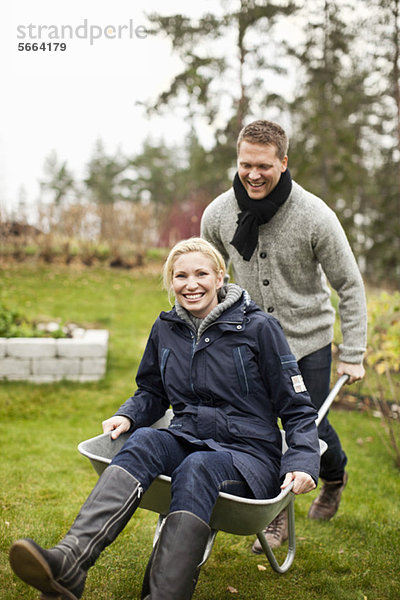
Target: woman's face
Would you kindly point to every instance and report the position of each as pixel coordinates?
(195, 283)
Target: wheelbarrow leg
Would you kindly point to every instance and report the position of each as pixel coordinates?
(287, 563)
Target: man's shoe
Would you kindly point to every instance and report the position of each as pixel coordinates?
(327, 503)
(276, 533)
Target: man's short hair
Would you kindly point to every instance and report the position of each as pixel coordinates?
(265, 132)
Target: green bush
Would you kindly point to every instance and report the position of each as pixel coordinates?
(31, 250)
(14, 324)
(383, 360)
(384, 333)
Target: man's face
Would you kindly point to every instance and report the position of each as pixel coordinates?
(259, 168)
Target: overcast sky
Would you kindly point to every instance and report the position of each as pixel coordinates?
(67, 100)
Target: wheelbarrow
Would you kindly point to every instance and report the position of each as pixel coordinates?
(231, 514)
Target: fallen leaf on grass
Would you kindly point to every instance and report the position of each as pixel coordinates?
(261, 568)
(232, 590)
(361, 441)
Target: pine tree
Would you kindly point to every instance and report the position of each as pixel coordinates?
(384, 227)
(329, 114)
(230, 59)
(107, 182)
(58, 181)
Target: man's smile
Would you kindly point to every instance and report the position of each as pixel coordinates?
(256, 185)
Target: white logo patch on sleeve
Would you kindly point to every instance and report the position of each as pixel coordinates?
(298, 384)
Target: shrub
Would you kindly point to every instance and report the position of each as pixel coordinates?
(14, 324)
(383, 357)
(384, 333)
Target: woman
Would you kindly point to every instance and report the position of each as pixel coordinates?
(228, 373)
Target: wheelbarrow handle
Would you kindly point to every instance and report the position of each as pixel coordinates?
(330, 398)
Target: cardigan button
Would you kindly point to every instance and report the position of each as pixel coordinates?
(207, 340)
(263, 255)
(270, 309)
(266, 282)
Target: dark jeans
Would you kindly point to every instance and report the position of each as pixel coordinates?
(316, 369)
(197, 475)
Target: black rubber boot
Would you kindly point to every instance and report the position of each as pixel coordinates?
(174, 566)
(61, 571)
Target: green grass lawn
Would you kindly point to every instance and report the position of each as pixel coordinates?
(44, 480)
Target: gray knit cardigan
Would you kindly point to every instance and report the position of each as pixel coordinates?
(301, 246)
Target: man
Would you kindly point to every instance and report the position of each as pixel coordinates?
(283, 244)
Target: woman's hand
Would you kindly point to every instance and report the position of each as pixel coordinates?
(116, 425)
(303, 482)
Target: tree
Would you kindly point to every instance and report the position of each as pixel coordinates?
(58, 181)
(198, 180)
(179, 182)
(384, 55)
(156, 170)
(330, 112)
(229, 63)
(108, 181)
(57, 188)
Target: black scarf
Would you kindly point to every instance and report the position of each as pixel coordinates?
(256, 212)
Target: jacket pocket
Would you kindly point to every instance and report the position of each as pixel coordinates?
(164, 357)
(247, 427)
(242, 370)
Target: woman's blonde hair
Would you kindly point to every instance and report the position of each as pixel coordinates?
(194, 244)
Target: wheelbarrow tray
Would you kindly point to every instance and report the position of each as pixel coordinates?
(231, 514)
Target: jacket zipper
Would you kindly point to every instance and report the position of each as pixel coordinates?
(194, 343)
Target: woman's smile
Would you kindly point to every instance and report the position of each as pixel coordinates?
(195, 283)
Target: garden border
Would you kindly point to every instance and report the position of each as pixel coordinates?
(46, 360)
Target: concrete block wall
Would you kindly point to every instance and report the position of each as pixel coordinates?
(45, 360)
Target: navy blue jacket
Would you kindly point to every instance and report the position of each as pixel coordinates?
(227, 391)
